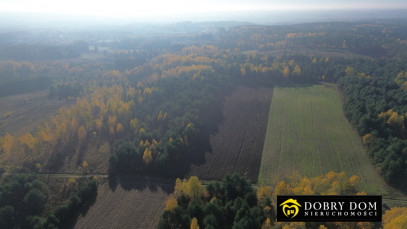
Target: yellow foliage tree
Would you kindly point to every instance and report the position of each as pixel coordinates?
(134, 123)
(194, 223)
(395, 218)
(349, 71)
(119, 128)
(171, 203)
(74, 125)
(111, 131)
(179, 188)
(393, 118)
(8, 143)
(147, 91)
(286, 72)
(81, 133)
(44, 133)
(367, 139)
(147, 156)
(99, 124)
(194, 188)
(263, 192)
(330, 184)
(160, 116)
(147, 143)
(297, 70)
(404, 86)
(28, 140)
(267, 224)
(140, 99)
(294, 225)
(304, 187)
(283, 189)
(396, 120)
(112, 121)
(243, 71)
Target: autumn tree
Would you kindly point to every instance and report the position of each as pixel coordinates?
(194, 189)
(283, 189)
(264, 192)
(8, 143)
(297, 70)
(111, 131)
(147, 156)
(349, 71)
(395, 218)
(286, 72)
(367, 139)
(81, 133)
(171, 203)
(393, 118)
(231, 203)
(331, 183)
(27, 140)
(119, 128)
(267, 224)
(194, 223)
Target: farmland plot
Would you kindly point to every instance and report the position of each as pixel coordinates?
(137, 205)
(238, 144)
(24, 112)
(308, 132)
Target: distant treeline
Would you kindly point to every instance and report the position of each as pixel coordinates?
(43, 52)
(24, 86)
(69, 79)
(64, 91)
(377, 40)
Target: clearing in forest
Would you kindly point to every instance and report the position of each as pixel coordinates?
(24, 112)
(238, 143)
(135, 203)
(308, 132)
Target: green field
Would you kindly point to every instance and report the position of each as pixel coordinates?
(308, 132)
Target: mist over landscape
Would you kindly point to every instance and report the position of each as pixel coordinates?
(198, 114)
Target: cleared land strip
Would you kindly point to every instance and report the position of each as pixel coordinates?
(24, 112)
(308, 132)
(130, 204)
(238, 145)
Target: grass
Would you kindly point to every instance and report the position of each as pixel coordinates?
(24, 112)
(308, 132)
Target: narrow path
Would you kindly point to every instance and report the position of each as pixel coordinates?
(245, 136)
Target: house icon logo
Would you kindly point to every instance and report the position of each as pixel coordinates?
(290, 208)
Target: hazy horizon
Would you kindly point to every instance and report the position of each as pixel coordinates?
(126, 8)
(51, 13)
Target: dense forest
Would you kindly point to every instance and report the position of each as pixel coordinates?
(24, 200)
(159, 121)
(151, 103)
(233, 203)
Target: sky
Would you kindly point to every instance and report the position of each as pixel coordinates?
(129, 8)
(45, 11)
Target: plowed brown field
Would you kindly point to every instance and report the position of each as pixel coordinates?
(237, 146)
(137, 205)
